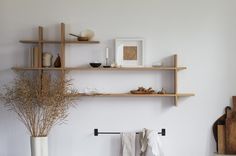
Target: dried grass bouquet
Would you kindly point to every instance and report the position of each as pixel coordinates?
(39, 102)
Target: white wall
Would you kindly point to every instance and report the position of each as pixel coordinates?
(201, 32)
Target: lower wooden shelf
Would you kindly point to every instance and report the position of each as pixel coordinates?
(137, 95)
(176, 96)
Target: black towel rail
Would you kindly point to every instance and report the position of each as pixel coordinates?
(96, 132)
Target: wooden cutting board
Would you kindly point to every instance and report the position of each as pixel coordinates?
(221, 139)
(231, 130)
(220, 121)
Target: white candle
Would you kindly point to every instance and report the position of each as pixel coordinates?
(107, 53)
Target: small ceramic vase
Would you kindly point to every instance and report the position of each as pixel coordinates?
(57, 62)
(47, 59)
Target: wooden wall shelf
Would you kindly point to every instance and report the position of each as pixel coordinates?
(30, 69)
(136, 95)
(62, 42)
(106, 69)
(127, 68)
(58, 42)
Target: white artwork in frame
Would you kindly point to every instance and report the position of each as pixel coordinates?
(129, 52)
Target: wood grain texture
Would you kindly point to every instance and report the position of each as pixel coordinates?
(103, 69)
(58, 42)
(231, 136)
(62, 48)
(137, 95)
(40, 44)
(234, 103)
(176, 79)
(231, 130)
(127, 68)
(221, 138)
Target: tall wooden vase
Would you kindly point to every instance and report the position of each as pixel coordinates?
(39, 146)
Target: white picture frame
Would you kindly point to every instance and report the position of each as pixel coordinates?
(129, 52)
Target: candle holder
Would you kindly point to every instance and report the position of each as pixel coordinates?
(107, 64)
(107, 61)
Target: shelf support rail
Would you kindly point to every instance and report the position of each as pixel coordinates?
(96, 132)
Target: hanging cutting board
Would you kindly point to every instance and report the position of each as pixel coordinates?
(231, 130)
(221, 139)
(220, 121)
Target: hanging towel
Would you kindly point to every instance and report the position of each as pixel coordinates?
(128, 144)
(138, 145)
(154, 141)
(150, 143)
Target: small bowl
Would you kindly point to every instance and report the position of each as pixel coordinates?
(95, 65)
(82, 38)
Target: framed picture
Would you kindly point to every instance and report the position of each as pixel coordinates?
(129, 52)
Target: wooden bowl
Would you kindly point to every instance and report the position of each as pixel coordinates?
(82, 38)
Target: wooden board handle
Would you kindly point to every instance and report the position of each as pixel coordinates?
(234, 103)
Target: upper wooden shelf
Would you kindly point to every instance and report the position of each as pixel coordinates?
(25, 68)
(58, 42)
(105, 69)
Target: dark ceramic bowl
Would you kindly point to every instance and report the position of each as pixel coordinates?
(95, 65)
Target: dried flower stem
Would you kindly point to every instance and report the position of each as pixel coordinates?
(39, 102)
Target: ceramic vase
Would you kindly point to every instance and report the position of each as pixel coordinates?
(47, 59)
(39, 146)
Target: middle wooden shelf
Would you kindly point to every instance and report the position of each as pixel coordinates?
(101, 68)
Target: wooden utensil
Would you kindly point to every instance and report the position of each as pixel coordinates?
(80, 38)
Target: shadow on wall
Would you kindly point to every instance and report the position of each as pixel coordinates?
(6, 76)
(115, 148)
(211, 146)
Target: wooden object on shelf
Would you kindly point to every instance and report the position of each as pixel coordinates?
(175, 78)
(220, 121)
(231, 130)
(62, 49)
(40, 44)
(31, 57)
(36, 57)
(221, 138)
(142, 90)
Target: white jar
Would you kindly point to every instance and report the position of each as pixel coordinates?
(47, 59)
(39, 146)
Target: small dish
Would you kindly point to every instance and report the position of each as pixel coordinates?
(82, 38)
(95, 65)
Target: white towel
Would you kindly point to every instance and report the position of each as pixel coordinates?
(150, 143)
(128, 144)
(154, 142)
(138, 145)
